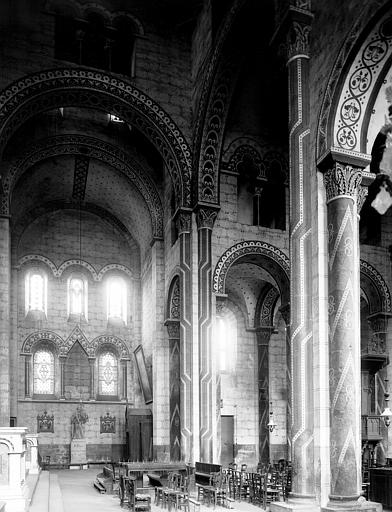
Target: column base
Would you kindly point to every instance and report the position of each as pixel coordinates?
(295, 505)
(360, 505)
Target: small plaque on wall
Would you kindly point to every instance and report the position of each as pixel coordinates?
(45, 423)
(108, 424)
(143, 375)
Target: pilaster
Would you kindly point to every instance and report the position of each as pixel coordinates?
(184, 227)
(5, 283)
(205, 217)
(293, 36)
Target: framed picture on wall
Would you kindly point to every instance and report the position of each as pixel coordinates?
(143, 375)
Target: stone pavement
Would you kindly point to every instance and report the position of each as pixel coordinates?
(73, 491)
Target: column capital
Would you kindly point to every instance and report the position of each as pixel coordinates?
(206, 216)
(292, 35)
(173, 328)
(220, 302)
(343, 180)
(285, 312)
(183, 220)
(263, 334)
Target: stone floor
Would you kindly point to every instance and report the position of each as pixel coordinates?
(73, 491)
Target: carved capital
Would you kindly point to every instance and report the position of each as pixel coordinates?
(184, 221)
(264, 334)
(298, 40)
(206, 217)
(173, 328)
(342, 180)
(220, 302)
(285, 312)
(292, 36)
(362, 193)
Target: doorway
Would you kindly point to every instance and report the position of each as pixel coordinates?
(227, 440)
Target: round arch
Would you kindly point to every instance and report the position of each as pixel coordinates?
(41, 336)
(273, 260)
(95, 89)
(76, 144)
(349, 96)
(375, 289)
(173, 306)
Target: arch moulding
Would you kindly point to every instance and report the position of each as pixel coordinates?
(99, 90)
(277, 260)
(350, 96)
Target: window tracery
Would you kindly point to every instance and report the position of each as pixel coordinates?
(107, 374)
(43, 372)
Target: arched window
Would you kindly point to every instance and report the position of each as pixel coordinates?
(117, 299)
(107, 374)
(43, 372)
(93, 46)
(122, 50)
(77, 298)
(35, 291)
(226, 330)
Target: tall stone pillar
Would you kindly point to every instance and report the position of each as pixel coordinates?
(296, 41)
(344, 200)
(184, 228)
(206, 217)
(5, 278)
(173, 329)
(263, 335)
(285, 312)
(62, 361)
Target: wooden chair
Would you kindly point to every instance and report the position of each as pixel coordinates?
(137, 502)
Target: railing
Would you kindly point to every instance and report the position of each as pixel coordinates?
(371, 427)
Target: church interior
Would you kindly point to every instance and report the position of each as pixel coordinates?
(196, 244)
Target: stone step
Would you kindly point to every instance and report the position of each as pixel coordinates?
(40, 500)
(55, 495)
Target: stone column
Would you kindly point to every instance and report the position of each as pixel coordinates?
(263, 335)
(296, 32)
(285, 312)
(173, 329)
(206, 217)
(184, 228)
(343, 192)
(62, 360)
(5, 278)
(28, 376)
(124, 379)
(91, 361)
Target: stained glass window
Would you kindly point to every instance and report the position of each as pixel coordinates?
(77, 296)
(117, 298)
(43, 372)
(35, 297)
(108, 375)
